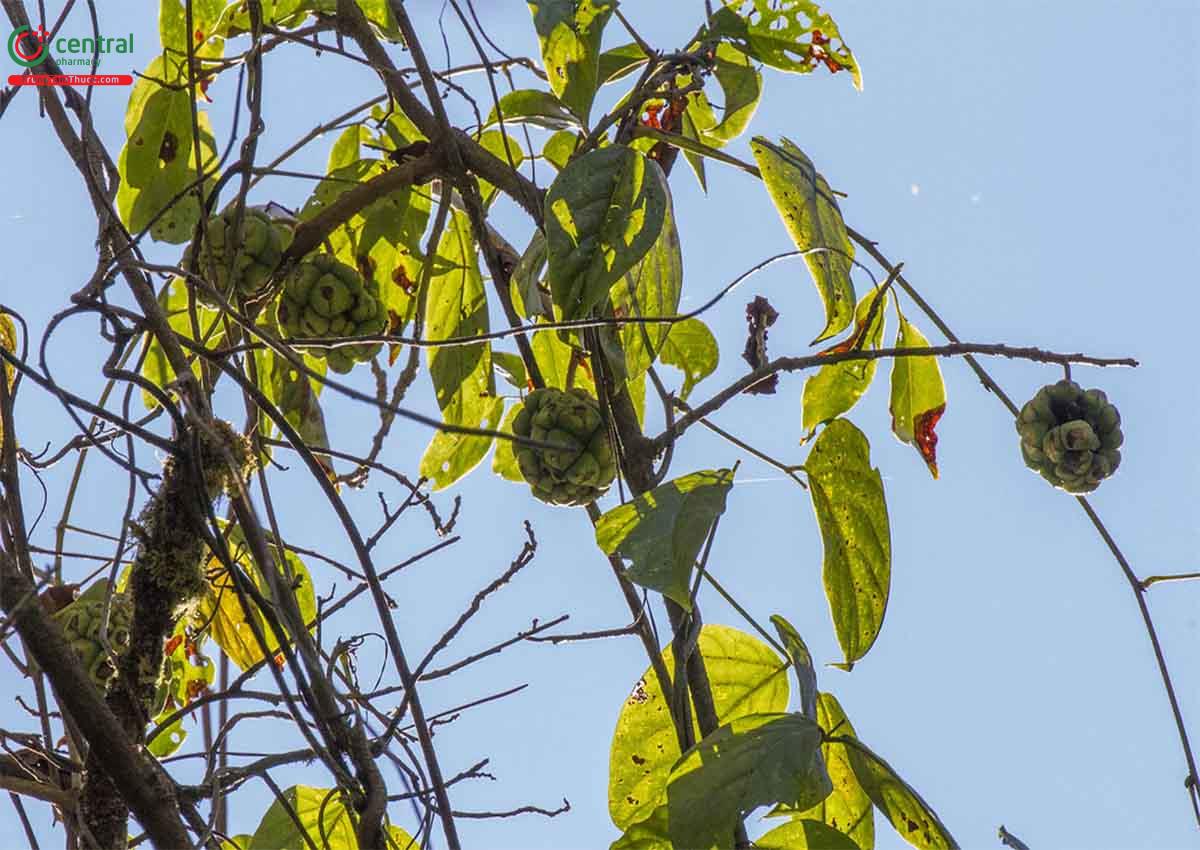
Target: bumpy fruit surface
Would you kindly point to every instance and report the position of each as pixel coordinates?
(1071, 436)
(323, 297)
(580, 471)
(261, 246)
(80, 622)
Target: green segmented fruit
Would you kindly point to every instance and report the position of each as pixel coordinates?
(324, 297)
(262, 244)
(1071, 436)
(582, 466)
(80, 622)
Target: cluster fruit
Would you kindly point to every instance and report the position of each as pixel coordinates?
(324, 297)
(581, 466)
(80, 622)
(1071, 436)
(243, 264)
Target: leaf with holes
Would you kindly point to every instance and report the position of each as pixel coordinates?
(837, 387)
(814, 221)
(847, 495)
(791, 35)
(918, 396)
(692, 348)
(569, 32)
(157, 163)
(746, 676)
(753, 761)
(662, 531)
(604, 211)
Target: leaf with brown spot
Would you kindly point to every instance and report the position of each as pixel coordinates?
(847, 495)
(918, 396)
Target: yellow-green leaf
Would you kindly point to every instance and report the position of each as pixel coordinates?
(662, 531)
(813, 219)
(746, 676)
(604, 211)
(837, 387)
(805, 835)
(918, 396)
(569, 32)
(847, 495)
(692, 348)
(899, 802)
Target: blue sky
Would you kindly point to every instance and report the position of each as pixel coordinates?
(1035, 167)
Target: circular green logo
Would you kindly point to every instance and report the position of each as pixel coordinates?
(19, 52)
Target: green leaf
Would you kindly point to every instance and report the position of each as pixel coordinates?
(526, 279)
(554, 356)
(649, 834)
(746, 676)
(347, 147)
(532, 106)
(323, 817)
(449, 457)
(662, 531)
(918, 396)
(837, 387)
(173, 299)
(157, 162)
(775, 31)
(847, 495)
(649, 290)
(605, 210)
(805, 835)
(295, 394)
(692, 348)
(8, 341)
(504, 461)
(620, 61)
(687, 129)
(814, 221)
(569, 32)
(559, 149)
(506, 149)
(741, 90)
(752, 761)
(512, 368)
(802, 663)
(899, 802)
(221, 609)
(848, 809)
(462, 374)
(173, 31)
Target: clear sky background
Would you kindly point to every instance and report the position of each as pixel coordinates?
(1034, 165)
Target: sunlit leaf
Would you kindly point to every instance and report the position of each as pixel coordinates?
(221, 610)
(506, 149)
(559, 148)
(804, 835)
(157, 162)
(814, 221)
(746, 677)
(741, 90)
(847, 495)
(791, 35)
(554, 357)
(619, 61)
(899, 802)
(604, 211)
(525, 283)
(8, 341)
(837, 387)
(532, 106)
(512, 368)
(504, 461)
(174, 301)
(802, 663)
(295, 394)
(649, 290)
(918, 396)
(662, 531)
(323, 817)
(753, 761)
(462, 374)
(848, 809)
(692, 348)
(569, 32)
